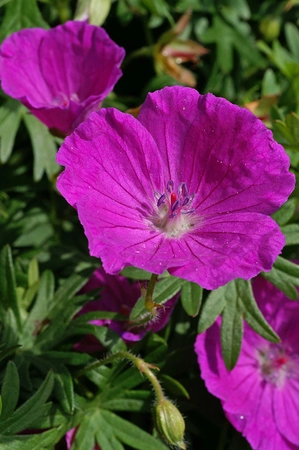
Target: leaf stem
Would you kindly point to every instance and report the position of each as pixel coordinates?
(139, 363)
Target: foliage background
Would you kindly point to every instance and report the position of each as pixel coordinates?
(253, 59)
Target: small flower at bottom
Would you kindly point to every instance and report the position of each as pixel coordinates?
(260, 396)
(187, 186)
(61, 74)
(118, 295)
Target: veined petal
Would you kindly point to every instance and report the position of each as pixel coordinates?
(227, 155)
(230, 246)
(61, 75)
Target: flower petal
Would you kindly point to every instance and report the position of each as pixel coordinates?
(225, 154)
(286, 408)
(230, 246)
(47, 70)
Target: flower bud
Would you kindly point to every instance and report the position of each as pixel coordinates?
(270, 28)
(169, 423)
(93, 10)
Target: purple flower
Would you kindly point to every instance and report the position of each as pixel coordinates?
(187, 186)
(118, 295)
(61, 74)
(260, 396)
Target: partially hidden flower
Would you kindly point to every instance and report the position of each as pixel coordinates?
(61, 74)
(260, 396)
(118, 295)
(186, 187)
(171, 51)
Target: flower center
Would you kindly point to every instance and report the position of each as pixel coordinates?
(172, 210)
(63, 100)
(276, 363)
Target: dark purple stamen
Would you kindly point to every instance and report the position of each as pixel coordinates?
(170, 186)
(183, 190)
(175, 206)
(161, 200)
(177, 202)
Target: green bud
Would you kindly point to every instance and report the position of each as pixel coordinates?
(95, 11)
(169, 423)
(270, 28)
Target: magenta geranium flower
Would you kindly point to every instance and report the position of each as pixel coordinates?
(61, 74)
(260, 396)
(118, 295)
(188, 186)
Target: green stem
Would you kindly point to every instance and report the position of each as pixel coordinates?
(149, 304)
(141, 365)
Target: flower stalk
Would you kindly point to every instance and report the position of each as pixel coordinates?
(168, 420)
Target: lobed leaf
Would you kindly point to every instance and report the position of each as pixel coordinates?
(130, 434)
(30, 411)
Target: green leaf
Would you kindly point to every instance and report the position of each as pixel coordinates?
(231, 330)
(191, 297)
(135, 274)
(10, 390)
(8, 289)
(292, 37)
(287, 267)
(85, 436)
(8, 351)
(229, 37)
(40, 308)
(107, 337)
(30, 411)
(62, 308)
(67, 290)
(10, 332)
(107, 440)
(130, 434)
(269, 84)
(41, 441)
(138, 309)
(174, 386)
(64, 389)
(286, 212)
(44, 148)
(10, 118)
(291, 233)
(33, 272)
(21, 14)
(165, 289)
(285, 276)
(211, 309)
(125, 400)
(251, 312)
(63, 386)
